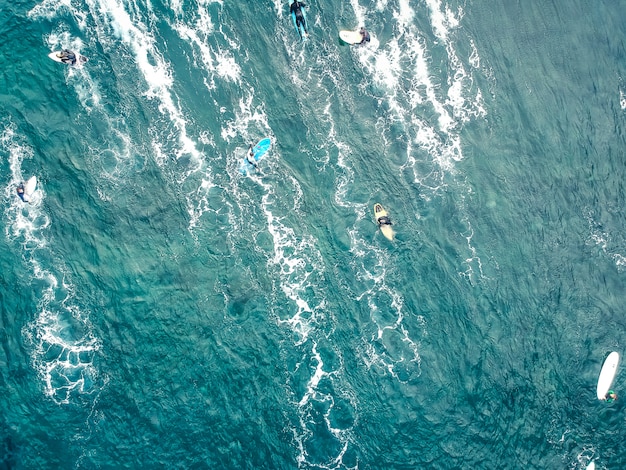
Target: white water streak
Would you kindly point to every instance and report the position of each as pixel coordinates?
(61, 354)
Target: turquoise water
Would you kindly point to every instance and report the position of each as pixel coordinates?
(160, 310)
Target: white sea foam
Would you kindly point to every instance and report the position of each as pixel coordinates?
(473, 262)
(297, 268)
(176, 6)
(199, 202)
(434, 107)
(120, 150)
(213, 59)
(404, 14)
(249, 122)
(474, 58)
(406, 58)
(85, 86)
(387, 66)
(280, 6)
(368, 264)
(360, 14)
(63, 341)
(50, 9)
(442, 19)
(115, 21)
(606, 242)
(298, 263)
(400, 357)
(62, 352)
(325, 400)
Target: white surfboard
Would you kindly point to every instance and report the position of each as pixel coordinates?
(607, 374)
(591, 466)
(80, 59)
(29, 189)
(351, 37)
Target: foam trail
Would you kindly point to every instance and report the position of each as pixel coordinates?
(389, 345)
(115, 21)
(212, 58)
(401, 75)
(50, 9)
(359, 12)
(61, 335)
(296, 271)
(63, 340)
(610, 245)
(385, 303)
(296, 268)
(112, 151)
(299, 265)
(406, 59)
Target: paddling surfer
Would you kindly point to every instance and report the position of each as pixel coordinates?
(296, 9)
(67, 57)
(20, 191)
(250, 157)
(384, 220)
(365, 36)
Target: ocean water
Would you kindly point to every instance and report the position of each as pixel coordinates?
(161, 310)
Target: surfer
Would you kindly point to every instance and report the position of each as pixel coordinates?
(611, 396)
(384, 220)
(250, 157)
(67, 57)
(296, 9)
(365, 36)
(20, 191)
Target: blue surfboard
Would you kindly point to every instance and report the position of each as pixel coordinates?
(301, 31)
(259, 151)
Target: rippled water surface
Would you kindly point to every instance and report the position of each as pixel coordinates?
(162, 310)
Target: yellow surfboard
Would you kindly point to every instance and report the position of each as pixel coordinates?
(383, 221)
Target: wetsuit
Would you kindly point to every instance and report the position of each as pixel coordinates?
(250, 157)
(365, 36)
(68, 57)
(296, 10)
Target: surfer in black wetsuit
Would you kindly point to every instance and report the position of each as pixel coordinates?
(296, 9)
(67, 57)
(250, 157)
(20, 191)
(611, 396)
(364, 35)
(384, 220)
